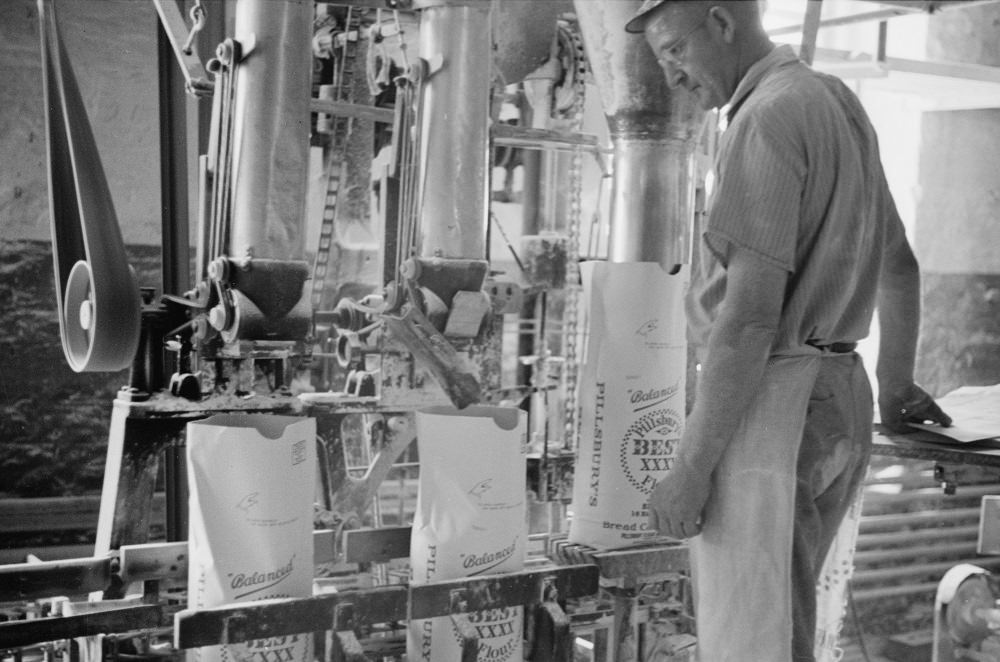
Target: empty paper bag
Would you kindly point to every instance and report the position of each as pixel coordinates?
(251, 479)
(470, 521)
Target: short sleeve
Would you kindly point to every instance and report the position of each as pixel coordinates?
(758, 197)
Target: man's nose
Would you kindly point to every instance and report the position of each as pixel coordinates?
(672, 73)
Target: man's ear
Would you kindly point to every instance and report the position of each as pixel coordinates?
(723, 21)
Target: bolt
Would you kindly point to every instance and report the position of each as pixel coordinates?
(217, 269)
(217, 317)
(86, 314)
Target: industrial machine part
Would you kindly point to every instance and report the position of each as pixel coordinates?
(967, 616)
(96, 291)
(652, 130)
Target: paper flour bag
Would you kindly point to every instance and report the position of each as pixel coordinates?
(251, 481)
(631, 399)
(470, 520)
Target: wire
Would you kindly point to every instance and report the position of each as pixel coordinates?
(496, 223)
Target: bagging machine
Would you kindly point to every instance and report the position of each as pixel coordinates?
(363, 167)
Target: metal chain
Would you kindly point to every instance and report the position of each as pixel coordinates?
(343, 75)
(571, 40)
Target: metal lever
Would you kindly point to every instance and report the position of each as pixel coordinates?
(195, 77)
(344, 644)
(464, 628)
(432, 350)
(551, 641)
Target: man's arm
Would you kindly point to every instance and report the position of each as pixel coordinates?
(738, 349)
(900, 400)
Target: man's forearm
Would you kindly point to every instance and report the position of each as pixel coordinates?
(734, 367)
(738, 348)
(899, 319)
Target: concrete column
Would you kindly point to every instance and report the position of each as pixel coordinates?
(957, 235)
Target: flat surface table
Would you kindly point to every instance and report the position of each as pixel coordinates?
(922, 445)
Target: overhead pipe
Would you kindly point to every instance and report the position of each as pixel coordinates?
(653, 130)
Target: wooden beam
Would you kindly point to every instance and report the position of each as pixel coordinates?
(61, 513)
(40, 630)
(242, 622)
(239, 623)
(32, 581)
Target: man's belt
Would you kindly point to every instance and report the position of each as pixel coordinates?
(835, 347)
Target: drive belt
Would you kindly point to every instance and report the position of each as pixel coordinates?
(96, 289)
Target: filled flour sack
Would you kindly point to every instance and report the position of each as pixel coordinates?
(251, 480)
(631, 399)
(470, 520)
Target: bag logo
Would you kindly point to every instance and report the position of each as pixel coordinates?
(647, 450)
(259, 581)
(487, 560)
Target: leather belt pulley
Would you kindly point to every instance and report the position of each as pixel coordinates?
(96, 289)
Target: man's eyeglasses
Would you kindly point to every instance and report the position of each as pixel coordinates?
(674, 53)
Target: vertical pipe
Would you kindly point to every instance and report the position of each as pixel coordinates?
(653, 130)
(271, 134)
(455, 35)
(652, 201)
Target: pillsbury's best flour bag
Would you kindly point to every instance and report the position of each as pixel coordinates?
(470, 521)
(631, 399)
(251, 480)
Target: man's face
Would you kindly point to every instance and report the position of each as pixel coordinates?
(688, 44)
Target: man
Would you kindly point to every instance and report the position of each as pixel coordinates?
(801, 242)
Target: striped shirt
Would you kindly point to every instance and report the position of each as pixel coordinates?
(799, 184)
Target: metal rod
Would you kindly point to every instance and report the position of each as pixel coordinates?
(923, 569)
(810, 29)
(899, 555)
(932, 516)
(175, 245)
(346, 109)
(883, 34)
(865, 17)
(910, 536)
(519, 136)
(172, 23)
(865, 595)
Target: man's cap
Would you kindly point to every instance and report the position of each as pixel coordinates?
(638, 23)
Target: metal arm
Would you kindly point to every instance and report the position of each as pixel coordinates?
(195, 76)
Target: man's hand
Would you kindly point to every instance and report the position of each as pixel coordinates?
(677, 501)
(908, 403)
